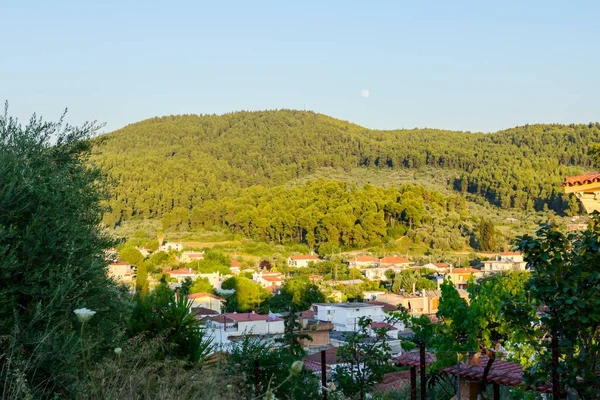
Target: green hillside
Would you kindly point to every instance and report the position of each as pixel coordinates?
(170, 165)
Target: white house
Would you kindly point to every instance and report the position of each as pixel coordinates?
(182, 273)
(206, 300)
(508, 261)
(226, 328)
(378, 274)
(302, 260)
(268, 280)
(166, 247)
(363, 261)
(345, 316)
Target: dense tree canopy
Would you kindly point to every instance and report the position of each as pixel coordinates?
(169, 165)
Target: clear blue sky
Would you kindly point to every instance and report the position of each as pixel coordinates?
(446, 64)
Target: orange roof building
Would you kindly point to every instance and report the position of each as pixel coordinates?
(587, 189)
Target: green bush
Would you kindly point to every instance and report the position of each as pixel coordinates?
(52, 258)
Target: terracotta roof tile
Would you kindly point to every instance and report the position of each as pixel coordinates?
(304, 257)
(204, 294)
(588, 177)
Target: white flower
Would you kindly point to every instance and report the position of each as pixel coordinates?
(118, 351)
(84, 314)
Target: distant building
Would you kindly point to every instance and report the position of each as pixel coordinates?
(269, 280)
(460, 276)
(424, 302)
(191, 256)
(182, 273)
(586, 188)
(121, 272)
(207, 300)
(345, 316)
(394, 261)
(378, 273)
(509, 261)
(363, 261)
(143, 251)
(576, 227)
(226, 328)
(300, 261)
(166, 247)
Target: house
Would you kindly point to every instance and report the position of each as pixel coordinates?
(300, 261)
(344, 316)
(460, 276)
(585, 188)
(507, 261)
(363, 261)
(391, 330)
(425, 302)
(394, 261)
(182, 273)
(377, 274)
(269, 280)
(166, 247)
(214, 278)
(191, 256)
(203, 312)
(371, 294)
(121, 272)
(344, 283)
(438, 267)
(206, 300)
(225, 328)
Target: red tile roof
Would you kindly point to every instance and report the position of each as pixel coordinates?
(204, 294)
(182, 271)
(203, 311)
(394, 260)
(241, 317)
(465, 271)
(393, 381)
(235, 264)
(386, 306)
(316, 277)
(304, 257)
(502, 372)
(442, 265)
(378, 325)
(307, 314)
(271, 278)
(511, 253)
(588, 177)
(120, 263)
(330, 357)
(365, 259)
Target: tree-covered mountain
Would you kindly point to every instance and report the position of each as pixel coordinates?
(177, 163)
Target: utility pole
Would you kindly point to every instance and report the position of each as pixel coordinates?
(422, 368)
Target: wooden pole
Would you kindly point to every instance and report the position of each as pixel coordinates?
(413, 383)
(496, 391)
(422, 368)
(555, 377)
(324, 373)
(256, 378)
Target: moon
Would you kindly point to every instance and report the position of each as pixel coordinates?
(364, 93)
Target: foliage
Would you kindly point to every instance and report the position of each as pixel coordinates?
(298, 292)
(202, 285)
(142, 285)
(486, 235)
(274, 370)
(248, 295)
(565, 281)
(131, 255)
(141, 372)
(520, 167)
(411, 280)
(52, 257)
(163, 313)
(363, 360)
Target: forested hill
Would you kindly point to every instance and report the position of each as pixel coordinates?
(180, 161)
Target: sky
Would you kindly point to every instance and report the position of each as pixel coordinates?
(474, 66)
